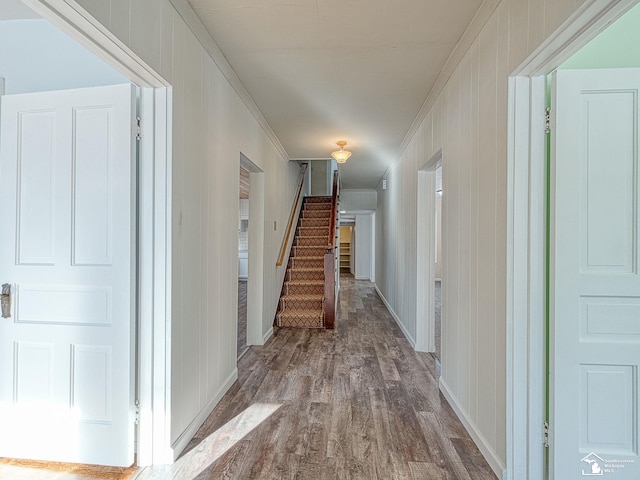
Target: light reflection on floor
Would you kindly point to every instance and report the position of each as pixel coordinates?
(214, 446)
(186, 467)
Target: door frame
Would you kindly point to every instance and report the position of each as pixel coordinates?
(154, 218)
(526, 235)
(255, 280)
(425, 255)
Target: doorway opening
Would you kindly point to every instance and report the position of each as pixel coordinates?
(437, 284)
(346, 246)
(148, 222)
(254, 217)
(428, 255)
(243, 260)
(577, 248)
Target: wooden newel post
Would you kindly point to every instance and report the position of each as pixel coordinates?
(329, 290)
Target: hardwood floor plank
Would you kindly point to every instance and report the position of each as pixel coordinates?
(449, 456)
(426, 471)
(391, 463)
(405, 429)
(340, 426)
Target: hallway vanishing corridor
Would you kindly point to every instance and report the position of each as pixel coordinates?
(354, 403)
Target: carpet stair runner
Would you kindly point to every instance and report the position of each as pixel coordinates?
(303, 289)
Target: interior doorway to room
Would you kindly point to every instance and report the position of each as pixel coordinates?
(347, 232)
(428, 256)
(575, 222)
(253, 214)
(243, 260)
(594, 239)
(437, 284)
(68, 184)
(60, 40)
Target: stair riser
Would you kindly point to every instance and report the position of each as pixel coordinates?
(290, 289)
(301, 275)
(309, 305)
(311, 241)
(308, 200)
(315, 222)
(313, 232)
(325, 214)
(309, 251)
(301, 262)
(317, 206)
(300, 322)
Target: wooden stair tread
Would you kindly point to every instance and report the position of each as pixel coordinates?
(300, 313)
(305, 282)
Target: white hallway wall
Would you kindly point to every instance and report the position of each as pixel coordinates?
(211, 126)
(468, 120)
(363, 247)
(355, 200)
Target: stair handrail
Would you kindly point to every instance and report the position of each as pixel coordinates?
(330, 294)
(292, 216)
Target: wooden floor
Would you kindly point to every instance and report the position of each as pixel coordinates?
(354, 403)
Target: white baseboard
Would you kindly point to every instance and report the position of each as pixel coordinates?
(488, 453)
(183, 440)
(395, 317)
(267, 336)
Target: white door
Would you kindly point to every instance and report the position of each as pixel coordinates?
(67, 179)
(595, 282)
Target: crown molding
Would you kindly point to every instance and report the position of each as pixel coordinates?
(188, 14)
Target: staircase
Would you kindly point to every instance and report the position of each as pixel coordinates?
(303, 289)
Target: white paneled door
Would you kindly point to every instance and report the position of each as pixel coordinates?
(67, 179)
(595, 282)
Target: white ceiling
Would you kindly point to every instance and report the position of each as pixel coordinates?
(327, 70)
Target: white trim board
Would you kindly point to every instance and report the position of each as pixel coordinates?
(395, 317)
(267, 336)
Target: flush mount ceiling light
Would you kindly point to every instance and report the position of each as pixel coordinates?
(341, 155)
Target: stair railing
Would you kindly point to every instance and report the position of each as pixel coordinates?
(293, 218)
(330, 262)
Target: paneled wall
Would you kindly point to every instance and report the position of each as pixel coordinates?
(356, 200)
(211, 126)
(468, 120)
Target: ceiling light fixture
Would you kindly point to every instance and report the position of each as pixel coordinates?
(341, 155)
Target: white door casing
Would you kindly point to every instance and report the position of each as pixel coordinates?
(67, 188)
(595, 283)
